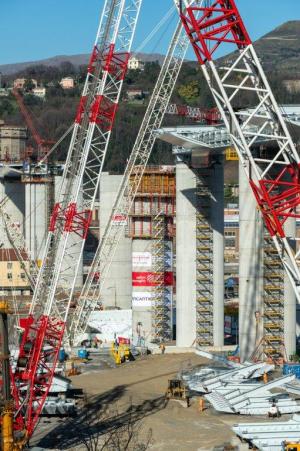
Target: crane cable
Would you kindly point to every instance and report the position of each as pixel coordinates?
(154, 31)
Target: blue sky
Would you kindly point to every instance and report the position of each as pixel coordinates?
(38, 29)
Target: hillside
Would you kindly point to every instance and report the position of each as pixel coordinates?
(76, 60)
(278, 50)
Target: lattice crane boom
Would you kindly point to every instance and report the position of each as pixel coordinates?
(274, 177)
(42, 144)
(57, 279)
(91, 293)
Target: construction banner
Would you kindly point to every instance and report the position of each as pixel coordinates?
(151, 279)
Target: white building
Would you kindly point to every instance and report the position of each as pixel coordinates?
(135, 64)
(67, 83)
(19, 83)
(39, 92)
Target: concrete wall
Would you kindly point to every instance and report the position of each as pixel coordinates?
(14, 191)
(12, 142)
(117, 288)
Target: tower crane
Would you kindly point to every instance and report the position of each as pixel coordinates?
(45, 326)
(90, 294)
(274, 177)
(43, 145)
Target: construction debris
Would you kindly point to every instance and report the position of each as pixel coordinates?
(269, 436)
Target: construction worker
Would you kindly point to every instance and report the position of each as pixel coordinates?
(162, 348)
(201, 404)
(273, 411)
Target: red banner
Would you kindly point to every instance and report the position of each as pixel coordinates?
(149, 279)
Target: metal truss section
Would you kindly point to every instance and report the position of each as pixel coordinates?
(255, 400)
(187, 138)
(208, 116)
(204, 262)
(161, 305)
(269, 435)
(69, 223)
(273, 301)
(91, 293)
(94, 121)
(273, 176)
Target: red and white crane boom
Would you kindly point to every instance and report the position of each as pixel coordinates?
(274, 177)
(57, 279)
(208, 116)
(43, 145)
(90, 296)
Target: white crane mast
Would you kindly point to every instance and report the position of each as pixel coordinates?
(275, 176)
(98, 105)
(71, 216)
(91, 293)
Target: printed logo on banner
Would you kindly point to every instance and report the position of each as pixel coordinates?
(142, 299)
(150, 279)
(119, 220)
(143, 259)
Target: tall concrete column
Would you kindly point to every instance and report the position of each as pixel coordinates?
(185, 255)
(36, 218)
(290, 303)
(217, 224)
(250, 269)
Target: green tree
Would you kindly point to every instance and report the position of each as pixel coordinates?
(189, 91)
(29, 85)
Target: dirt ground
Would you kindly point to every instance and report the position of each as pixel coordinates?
(142, 385)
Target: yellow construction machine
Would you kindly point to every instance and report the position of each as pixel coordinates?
(121, 353)
(292, 446)
(177, 391)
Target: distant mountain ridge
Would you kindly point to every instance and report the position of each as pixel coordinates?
(76, 60)
(279, 49)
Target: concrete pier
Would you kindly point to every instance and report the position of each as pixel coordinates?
(185, 256)
(217, 224)
(200, 255)
(290, 303)
(250, 270)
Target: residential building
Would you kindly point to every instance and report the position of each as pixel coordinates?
(67, 83)
(4, 92)
(19, 83)
(12, 142)
(292, 86)
(12, 275)
(134, 94)
(39, 92)
(135, 64)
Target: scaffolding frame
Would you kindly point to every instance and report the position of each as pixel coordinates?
(273, 302)
(204, 262)
(161, 306)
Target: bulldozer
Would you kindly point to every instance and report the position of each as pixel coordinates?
(177, 391)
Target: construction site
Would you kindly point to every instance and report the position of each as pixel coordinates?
(143, 309)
